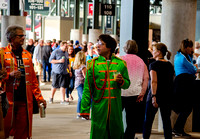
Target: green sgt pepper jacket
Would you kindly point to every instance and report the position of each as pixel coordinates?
(106, 117)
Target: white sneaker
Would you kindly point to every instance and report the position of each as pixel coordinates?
(50, 100)
(78, 116)
(42, 84)
(64, 102)
(83, 118)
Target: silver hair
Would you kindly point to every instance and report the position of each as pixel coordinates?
(11, 31)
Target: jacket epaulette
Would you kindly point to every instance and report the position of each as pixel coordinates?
(121, 60)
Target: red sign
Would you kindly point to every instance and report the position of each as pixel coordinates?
(90, 9)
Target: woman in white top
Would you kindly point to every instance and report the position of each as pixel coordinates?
(138, 75)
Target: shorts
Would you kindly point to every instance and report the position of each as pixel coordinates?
(38, 68)
(60, 80)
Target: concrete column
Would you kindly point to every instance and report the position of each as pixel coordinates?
(177, 24)
(76, 34)
(197, 34)
(56, 27)
(85, 37)
(94, 34)
(10, 20)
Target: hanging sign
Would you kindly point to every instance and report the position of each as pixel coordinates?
(40, 5)
(108, 9)
(90, 9)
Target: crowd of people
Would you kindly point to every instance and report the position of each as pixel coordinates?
(106, 83)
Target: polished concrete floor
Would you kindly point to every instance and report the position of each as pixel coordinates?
(61, 121)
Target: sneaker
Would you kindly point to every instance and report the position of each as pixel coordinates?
(78, 116)
(64, 102)
(42, 84)
(176, 134)
(50, 100)
(185, 134)
(83, 118)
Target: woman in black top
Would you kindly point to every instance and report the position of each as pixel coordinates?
(161, 73)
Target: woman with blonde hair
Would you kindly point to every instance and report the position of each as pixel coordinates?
(80, 72)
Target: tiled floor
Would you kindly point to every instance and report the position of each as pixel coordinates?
(61, 122)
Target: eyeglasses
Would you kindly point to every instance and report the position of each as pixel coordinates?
(21, 36)
(100, 43)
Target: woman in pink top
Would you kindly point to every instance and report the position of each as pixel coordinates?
(138, 74)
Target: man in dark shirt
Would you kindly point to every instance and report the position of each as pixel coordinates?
(30, 47)
(45, 60)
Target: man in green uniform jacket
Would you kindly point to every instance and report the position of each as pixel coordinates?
(105, 91)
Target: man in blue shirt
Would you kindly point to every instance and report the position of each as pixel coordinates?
(60, 74)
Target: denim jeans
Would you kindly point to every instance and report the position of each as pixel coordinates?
(71, 86)
(46, 64)
(80, 92)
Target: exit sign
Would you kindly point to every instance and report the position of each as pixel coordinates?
(108, 9)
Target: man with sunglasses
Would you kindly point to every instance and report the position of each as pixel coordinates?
(105, 90)
(20, 85)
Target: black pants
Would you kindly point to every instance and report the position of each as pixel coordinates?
(181, 120)
(184, 98)
(149, 118)
(130, 105)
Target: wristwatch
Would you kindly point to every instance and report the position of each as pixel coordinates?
(153, 95)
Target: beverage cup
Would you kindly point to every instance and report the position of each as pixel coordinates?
(115, 75)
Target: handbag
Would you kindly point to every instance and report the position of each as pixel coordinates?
(35, 106)
(4, 102)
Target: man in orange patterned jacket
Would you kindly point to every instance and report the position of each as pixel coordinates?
(20, 85)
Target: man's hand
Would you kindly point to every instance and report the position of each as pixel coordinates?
(155, 104)
(3, 73)
(44, 103)
(119, 79)
(15, 74)
(62, 60)
(70, 74)
(36, 63)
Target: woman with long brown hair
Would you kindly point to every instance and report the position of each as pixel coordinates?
(184, 85)
(69, 90)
